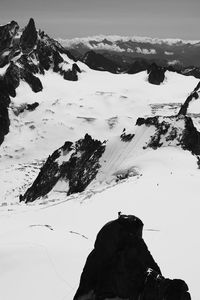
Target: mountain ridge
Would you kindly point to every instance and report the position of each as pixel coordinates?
(168, 52)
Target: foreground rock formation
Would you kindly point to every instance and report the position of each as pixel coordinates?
(121, 267)
(76, 164)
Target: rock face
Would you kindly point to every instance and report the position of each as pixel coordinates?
(156, 74)
(7, 34)
(193, 96)
(174, 130)
(29, 36)
(77, 164)
(121, 267)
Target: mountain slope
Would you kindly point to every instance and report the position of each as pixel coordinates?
(24, 54)
(124, 49)
(100, 104)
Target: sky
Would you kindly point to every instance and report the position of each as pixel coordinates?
(81, 18)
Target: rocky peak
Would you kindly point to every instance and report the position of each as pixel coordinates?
(77, 164)
(29, 36)
(24, 54)
(7, 33)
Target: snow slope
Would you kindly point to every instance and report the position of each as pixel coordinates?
(100, 103)
(44, 246)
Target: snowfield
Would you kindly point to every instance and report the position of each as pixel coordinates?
(43, 246)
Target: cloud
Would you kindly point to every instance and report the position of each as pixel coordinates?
(145, 51)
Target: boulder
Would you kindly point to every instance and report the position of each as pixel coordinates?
(156, 74)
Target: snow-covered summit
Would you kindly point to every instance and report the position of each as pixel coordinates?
(24, 54)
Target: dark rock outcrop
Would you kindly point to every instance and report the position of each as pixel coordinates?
(17, 110)
(191, 71)
(7, 33)
(168, 130)
(121, 267)
(72, 74)
(193, 96)
(138, 65)
(77, 170)
(4, 118)
(157, 287)
(156, 74)
(33, 81)
(99, 62)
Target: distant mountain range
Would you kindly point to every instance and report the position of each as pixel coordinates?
(123, 51)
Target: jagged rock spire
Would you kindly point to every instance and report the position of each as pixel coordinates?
(29, 36)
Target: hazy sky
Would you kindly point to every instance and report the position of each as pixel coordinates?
(74, 18)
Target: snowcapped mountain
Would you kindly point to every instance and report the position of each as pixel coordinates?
(124, 50)
(24, 54)
(78, 146)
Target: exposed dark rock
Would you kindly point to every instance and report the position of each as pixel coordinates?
(4, 118)
(57, 59)
(99, 62)
(72, 74)
(23, 107)
(12, 79)
(126, 137)
(139, 65)
(191, 137)
(44, 56)
(7, 33)
(8, 84)
(156, 74)
(121, 267)
(76, 68)
(29, 36)
(32, 80)
(167, 128)
(78, 170)
(159, 288)
(32, 106)
(193, 96)
(191, 71)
